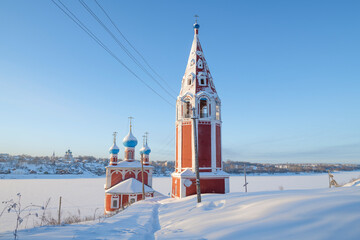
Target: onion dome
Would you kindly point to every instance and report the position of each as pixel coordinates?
(142, 150)
(114, 149)
(147, 150)
(130, 140)
(196, 25)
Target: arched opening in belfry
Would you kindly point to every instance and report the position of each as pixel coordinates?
(187, 109)
(217, 110)
(203, 108)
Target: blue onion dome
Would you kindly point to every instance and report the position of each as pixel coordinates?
(142, 150)
(130, 140)
(147, 150)
(114, 149)
(196, 25)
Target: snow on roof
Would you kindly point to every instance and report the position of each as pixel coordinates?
(130, 185)
(190, 173)
(128, 164)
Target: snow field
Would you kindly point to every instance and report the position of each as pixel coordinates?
(87, 194)
(294, 214)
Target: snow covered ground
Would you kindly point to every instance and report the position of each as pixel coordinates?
(87, 195)
(294, 214)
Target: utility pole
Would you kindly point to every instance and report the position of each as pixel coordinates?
(198, 190)
(142, 166)
(246, 183)
(142, 176)
(59, 211)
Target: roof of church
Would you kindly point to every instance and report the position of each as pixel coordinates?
(130, 185)
(128, 164)
(189, 173)
(197, 75)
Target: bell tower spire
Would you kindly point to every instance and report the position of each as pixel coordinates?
(198, 92)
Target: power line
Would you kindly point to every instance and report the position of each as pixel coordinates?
(132, 46)
(87, 8)
(67, 12)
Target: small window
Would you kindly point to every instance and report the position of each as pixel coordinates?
(200, 64)
(114, 202)
(203, 108)
(189, 81)
(187, 109)
(202, 80)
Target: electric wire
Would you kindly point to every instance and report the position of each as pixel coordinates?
(87, 8)
(68, 13)
(132, 46)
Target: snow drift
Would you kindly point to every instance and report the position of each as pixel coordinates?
(295, 214)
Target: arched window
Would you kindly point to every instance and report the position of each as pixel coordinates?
(189, 81)
(217, 110)
(203, 108)
(200, 64)
(187, 109)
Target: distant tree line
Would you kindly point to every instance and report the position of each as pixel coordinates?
(25, 164)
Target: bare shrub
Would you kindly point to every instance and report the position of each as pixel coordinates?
(22, 213)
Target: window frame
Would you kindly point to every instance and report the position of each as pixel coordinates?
(113, 199)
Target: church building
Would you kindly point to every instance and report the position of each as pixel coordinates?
(198, 92)
(124, 178)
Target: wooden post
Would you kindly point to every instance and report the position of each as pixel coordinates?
(59, 211)
(246, 183)
(198, 189)
(142, 176)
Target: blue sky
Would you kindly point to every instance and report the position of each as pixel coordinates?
(287, 72)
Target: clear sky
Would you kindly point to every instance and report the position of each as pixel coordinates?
(287, 72)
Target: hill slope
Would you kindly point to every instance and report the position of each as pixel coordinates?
(299, 214)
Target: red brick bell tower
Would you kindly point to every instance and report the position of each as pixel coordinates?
(198, 91)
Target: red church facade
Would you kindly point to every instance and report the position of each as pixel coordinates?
(123, 184)
(198, 92)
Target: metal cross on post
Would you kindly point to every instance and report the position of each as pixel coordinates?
(196, 18)
(130, 118)
(198, 189)
(246, 183)
(146, 137)
(114, 134)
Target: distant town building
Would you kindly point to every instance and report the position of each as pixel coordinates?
(124, 179)
(68, 156)
(198, 92)
(4, 156)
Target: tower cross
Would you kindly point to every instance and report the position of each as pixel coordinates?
(146, 136)
(130, 118)
(144, 139)
(196, 17)
(114, 134)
